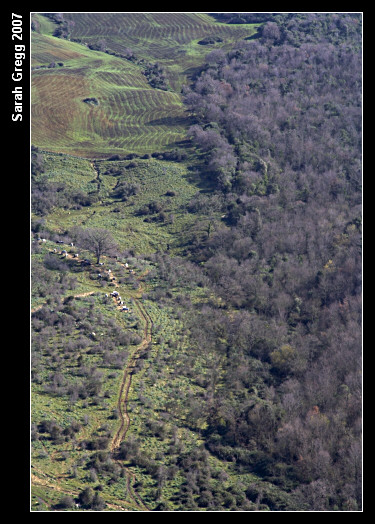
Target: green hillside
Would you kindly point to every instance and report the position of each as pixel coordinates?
(169, 185)
(73, 141)
(176, 40)
(130, 115)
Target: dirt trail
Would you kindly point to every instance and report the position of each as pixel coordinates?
(124, 388)
(74, 296)
(126, 382)
(97, 176)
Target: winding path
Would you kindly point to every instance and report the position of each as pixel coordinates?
(123, 395)
(122, 402)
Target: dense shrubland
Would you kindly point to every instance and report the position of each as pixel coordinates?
(62, 340)
(63, 27)
(47, 195)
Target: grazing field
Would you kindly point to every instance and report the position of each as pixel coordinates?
(129, 116)
(88, 105)
(169, 185)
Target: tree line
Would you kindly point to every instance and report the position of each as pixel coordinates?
(279, 125)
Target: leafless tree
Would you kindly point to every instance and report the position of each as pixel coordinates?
(99, 241)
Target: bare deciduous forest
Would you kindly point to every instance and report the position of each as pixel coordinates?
(280, 127)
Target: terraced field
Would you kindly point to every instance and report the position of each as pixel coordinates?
(46, 50)
(130, 116)
(159, 36)
(169, 38)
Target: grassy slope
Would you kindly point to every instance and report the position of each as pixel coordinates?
(153, 388)
(55, 463)
(130, 230)
(131, 117)
(171, 39)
